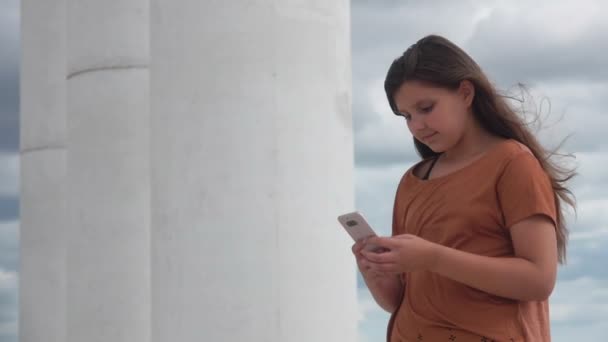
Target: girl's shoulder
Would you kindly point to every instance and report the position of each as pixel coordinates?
(515, 153)
(515, 148)
(507, 153)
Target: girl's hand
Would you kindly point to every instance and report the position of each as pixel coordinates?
(362, 262)
(406, 253)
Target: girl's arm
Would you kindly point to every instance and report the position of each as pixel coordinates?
(530, 275)
(385, 288)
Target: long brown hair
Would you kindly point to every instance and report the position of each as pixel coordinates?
(438, 61)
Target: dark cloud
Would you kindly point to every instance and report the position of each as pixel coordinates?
(9, 246)
(381, 33)
(523, 42)
(9, 111)
(8, 313)
(584, 262)
(9, 208)
(9, 75)
(398, 24)
(8, 337)
(8, 299)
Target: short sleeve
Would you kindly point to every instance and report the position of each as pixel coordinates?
(524, 190)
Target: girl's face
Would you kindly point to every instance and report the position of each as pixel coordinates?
(437, 117)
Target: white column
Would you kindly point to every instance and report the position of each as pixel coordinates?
(219, 224)
(252, 162)
(43, 138)
(108, 297)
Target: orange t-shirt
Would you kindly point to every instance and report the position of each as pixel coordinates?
(471, 210)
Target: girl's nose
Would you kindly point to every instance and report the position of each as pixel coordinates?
(417, 123)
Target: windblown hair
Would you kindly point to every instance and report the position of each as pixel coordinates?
(439, 62)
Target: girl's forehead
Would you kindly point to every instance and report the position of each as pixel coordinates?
(411, 92)
(417, 88)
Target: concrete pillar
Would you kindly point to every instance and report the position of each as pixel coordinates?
(252, 163)
(194, 185)
(42, 279)
(108, 287)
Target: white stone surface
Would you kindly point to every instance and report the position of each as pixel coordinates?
(252, 163)
(206, 171)
(43, 68)
(108, 286)
(107, 34)
(42, 276)
(108, 196)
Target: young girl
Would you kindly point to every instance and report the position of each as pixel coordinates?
(477, 228)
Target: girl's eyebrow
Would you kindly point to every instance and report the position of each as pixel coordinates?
(417, 104)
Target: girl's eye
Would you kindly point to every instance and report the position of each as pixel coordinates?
(427, 109)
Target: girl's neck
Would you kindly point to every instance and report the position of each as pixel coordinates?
(475, 142)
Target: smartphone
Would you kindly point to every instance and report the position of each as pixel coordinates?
(357, 227)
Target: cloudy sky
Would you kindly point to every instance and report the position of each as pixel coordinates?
(557, 48)
(9, 167)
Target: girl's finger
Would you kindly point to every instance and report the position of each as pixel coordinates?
(385, 268)
(356, 248)
(381, 258)
(386, 242)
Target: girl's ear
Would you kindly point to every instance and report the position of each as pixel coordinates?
(467, 90)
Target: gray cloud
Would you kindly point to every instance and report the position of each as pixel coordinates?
(362, 110)
(576, 109)
(9, 174)
(397, 24)
(9, 246)
(394, 147)
(583, 262)
(9, 208)
(532, 42)
(8, 306)
(9, 75)
(588, 233)
(9, 34)
(8, 299)
(514, 42)
(9, 141)
(9, 112)
(9, 212)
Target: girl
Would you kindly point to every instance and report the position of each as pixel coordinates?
(477, 227)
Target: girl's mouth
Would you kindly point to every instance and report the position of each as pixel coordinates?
(429, 136)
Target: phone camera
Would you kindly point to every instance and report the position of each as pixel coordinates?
(351, 223)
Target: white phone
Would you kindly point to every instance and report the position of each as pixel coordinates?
(357, 227)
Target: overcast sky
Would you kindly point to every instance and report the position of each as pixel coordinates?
(558, 48)
(9, 167)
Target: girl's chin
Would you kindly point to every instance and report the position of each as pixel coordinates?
(434, 146)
